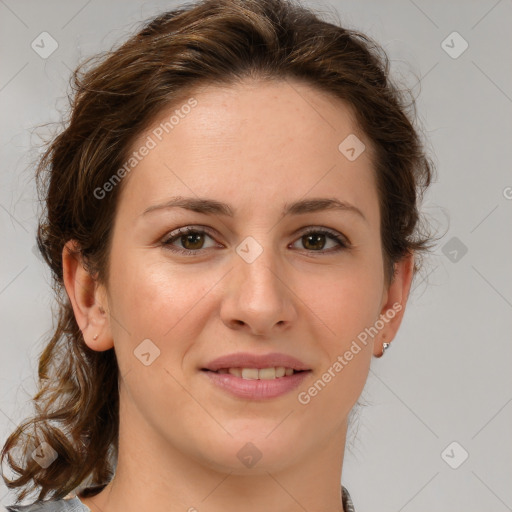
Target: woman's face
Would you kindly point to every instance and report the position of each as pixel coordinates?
(258, 275)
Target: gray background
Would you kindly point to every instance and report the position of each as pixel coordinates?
(447, 375)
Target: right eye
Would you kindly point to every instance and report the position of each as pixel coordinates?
(191, 238)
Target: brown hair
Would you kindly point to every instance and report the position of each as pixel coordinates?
(208, 42)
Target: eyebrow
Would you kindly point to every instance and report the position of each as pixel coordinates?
(213, 207)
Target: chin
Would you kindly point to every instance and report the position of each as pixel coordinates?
(252, 452)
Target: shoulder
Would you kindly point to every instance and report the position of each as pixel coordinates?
(63, 505)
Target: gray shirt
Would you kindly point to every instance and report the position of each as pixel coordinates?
(75, 505)
(63, 505)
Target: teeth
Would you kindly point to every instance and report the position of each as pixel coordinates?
(281, 371)
(266, 373)
(255, 373)
(250, 373)
(235, 371)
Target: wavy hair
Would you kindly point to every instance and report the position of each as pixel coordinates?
(114, 97)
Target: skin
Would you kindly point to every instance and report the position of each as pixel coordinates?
(255, 146)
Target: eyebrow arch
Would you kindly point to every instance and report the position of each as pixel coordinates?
(213, 207)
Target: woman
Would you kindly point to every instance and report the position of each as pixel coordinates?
(233, 229)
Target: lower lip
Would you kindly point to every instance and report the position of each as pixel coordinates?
(256, 389)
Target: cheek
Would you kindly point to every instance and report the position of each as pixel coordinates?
(342, 302)
(155, 299)
(347, 309)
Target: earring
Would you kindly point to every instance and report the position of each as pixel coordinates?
(385, 346)
(95, 337)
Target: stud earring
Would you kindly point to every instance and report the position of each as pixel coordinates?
(385, 346)
(95, 337)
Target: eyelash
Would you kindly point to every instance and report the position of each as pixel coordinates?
(175, 235)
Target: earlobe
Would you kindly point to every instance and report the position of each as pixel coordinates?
(84, 293)
(393, 309)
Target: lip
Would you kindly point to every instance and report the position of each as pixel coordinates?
(256, 389)
(248, 360)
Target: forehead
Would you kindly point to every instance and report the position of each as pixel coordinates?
(256, 143)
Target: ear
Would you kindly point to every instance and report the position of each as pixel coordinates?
(88, 298)
(393, 302)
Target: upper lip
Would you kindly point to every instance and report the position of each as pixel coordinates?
(248, 360)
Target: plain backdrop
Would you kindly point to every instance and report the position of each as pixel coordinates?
(435, 433)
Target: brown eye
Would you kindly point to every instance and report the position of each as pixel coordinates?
(191, 240)
(315, 241)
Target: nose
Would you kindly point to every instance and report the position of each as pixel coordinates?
(259, 297)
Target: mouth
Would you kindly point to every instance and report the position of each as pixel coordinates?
(252, 376)
(271, 373)
(256, 384)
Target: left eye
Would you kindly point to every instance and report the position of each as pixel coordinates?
(316, 237)
(192, 240)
